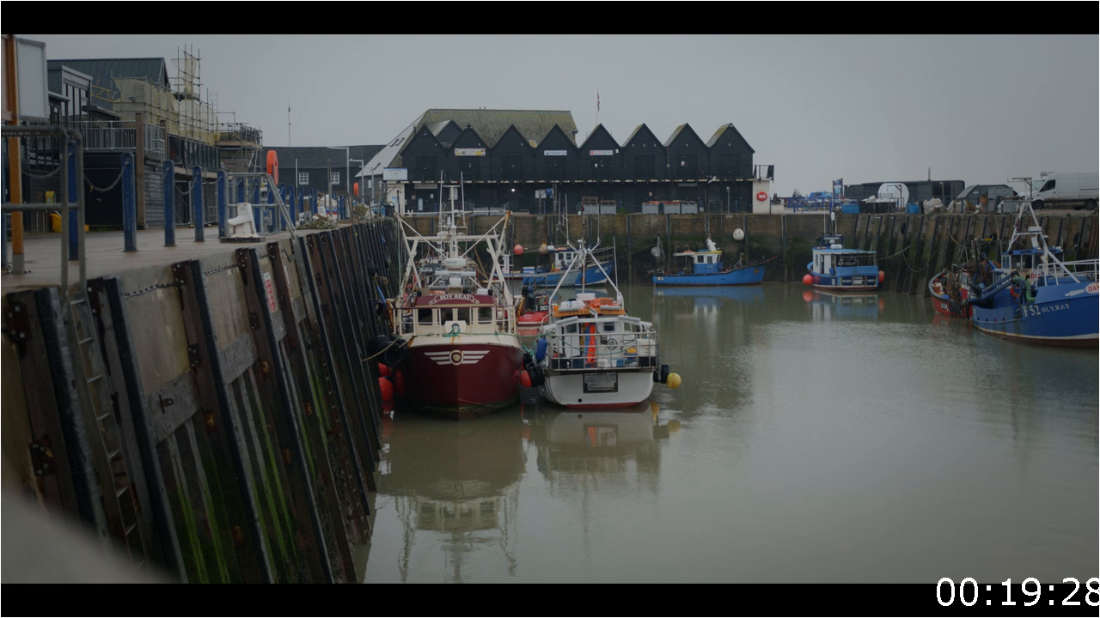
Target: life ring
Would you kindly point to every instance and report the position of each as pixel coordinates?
(761, 196)
(1015, 292)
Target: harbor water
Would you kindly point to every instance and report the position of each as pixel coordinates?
(815, 438)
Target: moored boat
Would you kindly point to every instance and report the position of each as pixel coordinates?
(839, 269)
(464, 355)
(706, 268)
(592, 355)
(1035, 297)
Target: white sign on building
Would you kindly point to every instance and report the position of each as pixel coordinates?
(395, 173)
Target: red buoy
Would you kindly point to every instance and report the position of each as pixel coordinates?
(881, 276)
(525, 379)
(387, 389)
(355, 189)
(383, 370)
(518, 249)
(807, 295)
(808, 279)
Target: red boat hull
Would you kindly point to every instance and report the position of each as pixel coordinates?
(943, 307)
(463, 381)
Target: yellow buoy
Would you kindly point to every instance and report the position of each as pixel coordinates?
(674, 380)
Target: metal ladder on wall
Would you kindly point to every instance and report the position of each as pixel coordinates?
(100, 411)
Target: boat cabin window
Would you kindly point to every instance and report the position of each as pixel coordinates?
(446, 315)
(571, 329)
(463, 315)
(609, 327)
(700, 259)
(485, 315)
(424, 316)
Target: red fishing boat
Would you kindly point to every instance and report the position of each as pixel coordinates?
(465, 359)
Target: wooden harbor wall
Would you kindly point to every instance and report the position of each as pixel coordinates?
(910, 248)
(230, 430)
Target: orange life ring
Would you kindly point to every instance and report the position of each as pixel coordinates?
(760, 197)
(273, 165)
(1015, 294)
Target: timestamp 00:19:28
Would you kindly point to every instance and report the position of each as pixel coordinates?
(970, 593)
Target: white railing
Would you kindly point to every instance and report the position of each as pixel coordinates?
(1084, 268)
(576, 352)
(117, 136)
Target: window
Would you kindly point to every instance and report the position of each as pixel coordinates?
(571, 329)
(303, 178)
(424, 316)
(334, 178)
(446, 315)
(426, 166)
(609, 327)
(464, 315)
(470, 167)
(485, 315)
(1048, 186)
(688, 166)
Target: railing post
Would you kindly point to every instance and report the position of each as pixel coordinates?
(129, 203)
(169, 203)
(292, 203)
(271, 206)
(222, 197)
(282, 194)
(74, 237)
(196, 202)
(257, 211)
(301, 195)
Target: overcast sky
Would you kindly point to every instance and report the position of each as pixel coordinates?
(863, 108)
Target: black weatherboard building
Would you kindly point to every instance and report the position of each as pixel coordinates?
(508, 158)
(307, 166)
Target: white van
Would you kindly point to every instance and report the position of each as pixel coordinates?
(1077, 190)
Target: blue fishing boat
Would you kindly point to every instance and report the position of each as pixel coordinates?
(839, 269)
(1035, 297)
(706, 268)
(549, 276)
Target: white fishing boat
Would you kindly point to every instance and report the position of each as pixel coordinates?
(592, 354)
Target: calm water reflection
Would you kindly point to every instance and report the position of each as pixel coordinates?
(816, 438)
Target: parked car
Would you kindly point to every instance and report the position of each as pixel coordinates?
(1077, 190)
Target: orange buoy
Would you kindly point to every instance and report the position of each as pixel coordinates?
(807, 296)
(808, 279)
(518, 249)
(525, 379)
(355, 188)
(387, 389)
(273, 165)
(383, 370)
(881, 276)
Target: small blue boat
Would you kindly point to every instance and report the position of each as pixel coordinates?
(549, 277)
(707, 269)
(1037, 298)
(838, 269)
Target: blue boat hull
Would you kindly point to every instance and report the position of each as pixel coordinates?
(1061, 315)
(749, 275)
(592, 276)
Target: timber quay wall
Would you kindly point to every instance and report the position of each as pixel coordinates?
(911, 248)
(230, 426)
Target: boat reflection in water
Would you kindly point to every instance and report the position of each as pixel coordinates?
(829, 306)
(584, 451)
(713, 295)
(456, 481)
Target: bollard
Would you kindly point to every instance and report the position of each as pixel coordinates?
(223, 195)
(129, 203)
(169, 204)
(74, 236)
(196, 202)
